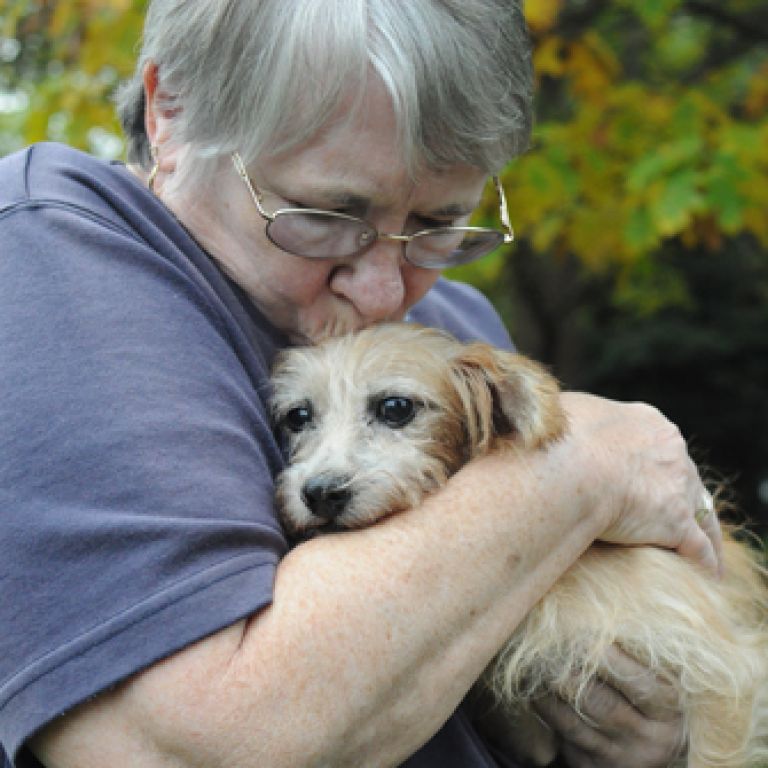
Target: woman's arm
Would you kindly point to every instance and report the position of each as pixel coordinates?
(374, 637)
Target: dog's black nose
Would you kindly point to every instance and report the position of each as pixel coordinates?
(326, 497)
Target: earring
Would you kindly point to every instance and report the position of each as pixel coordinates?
(153, 172)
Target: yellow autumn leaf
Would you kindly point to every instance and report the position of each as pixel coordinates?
(541, 15)
(756, 102)
(756, 222)
(64, 14)
(595, 235)
(592, 66)
(549, 58)
(115, 6)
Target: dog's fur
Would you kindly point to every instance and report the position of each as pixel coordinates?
(708, 637)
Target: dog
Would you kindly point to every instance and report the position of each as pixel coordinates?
(375, 420)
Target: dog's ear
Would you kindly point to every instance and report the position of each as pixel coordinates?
(506, 398)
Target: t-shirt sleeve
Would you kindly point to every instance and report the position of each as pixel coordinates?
(462, 310)
(136, 463)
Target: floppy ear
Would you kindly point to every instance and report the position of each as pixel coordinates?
(506, 398)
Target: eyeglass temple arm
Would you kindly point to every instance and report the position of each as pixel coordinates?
(237, 161)
(509, 235)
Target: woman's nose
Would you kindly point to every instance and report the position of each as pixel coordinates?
(374, 282)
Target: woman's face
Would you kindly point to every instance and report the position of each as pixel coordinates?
(352, 166)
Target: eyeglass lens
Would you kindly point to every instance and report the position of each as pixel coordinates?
(318, 235)
(450, 247)
(321, 235)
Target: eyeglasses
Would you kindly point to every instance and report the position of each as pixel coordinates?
(318, 234)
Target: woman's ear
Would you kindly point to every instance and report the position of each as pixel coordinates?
(506, 398)
(158, 119)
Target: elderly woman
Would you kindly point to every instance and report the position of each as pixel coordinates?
(300, 168)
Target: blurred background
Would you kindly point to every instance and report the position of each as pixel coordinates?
(640, 268)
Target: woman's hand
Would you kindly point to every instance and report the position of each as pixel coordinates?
(630, 719)
(648, 488)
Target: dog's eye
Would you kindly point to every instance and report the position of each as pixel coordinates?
(395, 412)
(297, 418)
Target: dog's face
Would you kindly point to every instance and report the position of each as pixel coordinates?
(375, 420)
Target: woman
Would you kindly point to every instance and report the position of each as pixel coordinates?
(152, 614)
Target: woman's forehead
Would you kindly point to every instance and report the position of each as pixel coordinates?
(359, 157)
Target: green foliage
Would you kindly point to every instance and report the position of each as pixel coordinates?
(652, 126)
(60, 62)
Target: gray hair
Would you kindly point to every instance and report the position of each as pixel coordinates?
(261, 76)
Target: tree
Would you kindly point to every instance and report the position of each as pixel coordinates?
(60, 62)
(651, 126)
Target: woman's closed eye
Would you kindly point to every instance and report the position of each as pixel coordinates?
(346, 210)
(425, 222)
(438, 222)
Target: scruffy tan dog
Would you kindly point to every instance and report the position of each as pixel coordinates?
(376, 420)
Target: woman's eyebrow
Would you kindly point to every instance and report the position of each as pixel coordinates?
(329, 197)
(340, 198)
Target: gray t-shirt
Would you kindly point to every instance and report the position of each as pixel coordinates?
(136, 457)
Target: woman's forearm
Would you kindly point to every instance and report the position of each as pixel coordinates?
(398, 621)
(373, 637)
